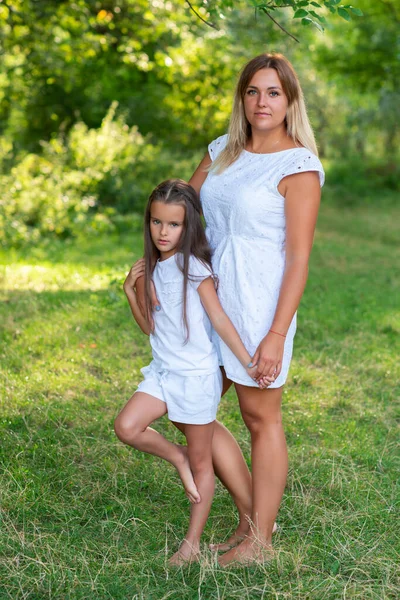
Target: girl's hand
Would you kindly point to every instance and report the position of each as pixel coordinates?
(137, 270)
(263, 382)
(268, 358)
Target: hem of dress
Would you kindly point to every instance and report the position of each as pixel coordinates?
(192, 422)
(247, 384)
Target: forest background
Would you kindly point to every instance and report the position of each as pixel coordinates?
(99, 101)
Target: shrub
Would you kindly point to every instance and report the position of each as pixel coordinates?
(79, 184)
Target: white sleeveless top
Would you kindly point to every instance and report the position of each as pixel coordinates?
(246, 229)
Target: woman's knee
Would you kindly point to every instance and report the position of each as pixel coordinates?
(262, 423)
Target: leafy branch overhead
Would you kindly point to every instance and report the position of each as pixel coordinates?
(309, 12)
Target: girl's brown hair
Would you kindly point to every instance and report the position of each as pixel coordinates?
(193, 241)
(297, 123)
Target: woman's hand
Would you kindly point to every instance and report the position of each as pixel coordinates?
(136, 271)
(268, 358)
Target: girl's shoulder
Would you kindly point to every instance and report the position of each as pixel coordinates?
(198, 271)
(217, 145)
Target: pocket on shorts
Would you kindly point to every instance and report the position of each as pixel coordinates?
(211, 385)
(173, 293)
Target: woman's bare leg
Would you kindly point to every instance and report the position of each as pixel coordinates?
(261, 411)
(199, 442)
(132, 427)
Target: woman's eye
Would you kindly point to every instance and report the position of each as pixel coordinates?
(251, 92)
(274, 94)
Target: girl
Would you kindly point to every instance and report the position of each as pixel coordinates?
(184, 378)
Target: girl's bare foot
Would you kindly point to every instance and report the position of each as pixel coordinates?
(187, 553)
(235, 539)
(185, 473)
(248, 552)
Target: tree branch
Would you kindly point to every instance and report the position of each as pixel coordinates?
(279, 25)
(200, 17)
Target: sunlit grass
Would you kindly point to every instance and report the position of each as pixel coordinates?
(83, 517)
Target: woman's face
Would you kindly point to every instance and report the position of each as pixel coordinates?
(265, 102)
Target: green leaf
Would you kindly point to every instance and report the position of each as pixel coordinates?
(343, 13)
(306, 21)
(315, 4)
(356, 11)
(300, 13)
(318, 25)
(317, 16)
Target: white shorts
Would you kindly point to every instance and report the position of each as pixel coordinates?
(191, 399)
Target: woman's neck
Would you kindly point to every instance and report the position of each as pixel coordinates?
(266, 142)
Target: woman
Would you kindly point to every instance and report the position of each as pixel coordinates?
(260, 192)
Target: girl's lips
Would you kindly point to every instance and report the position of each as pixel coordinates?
(163, 241)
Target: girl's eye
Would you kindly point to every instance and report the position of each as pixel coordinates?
(175, 224)
(156, 222)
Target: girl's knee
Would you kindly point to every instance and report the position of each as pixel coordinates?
(125, 430)
(200, 463)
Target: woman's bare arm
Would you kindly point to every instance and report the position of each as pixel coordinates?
(200, 174)
(302, 198)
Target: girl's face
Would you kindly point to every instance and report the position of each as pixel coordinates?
(166, 227)
(265, 102)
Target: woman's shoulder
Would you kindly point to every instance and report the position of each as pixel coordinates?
(299, 160)
(217, 145)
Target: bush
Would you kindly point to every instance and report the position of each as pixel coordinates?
(79, 184)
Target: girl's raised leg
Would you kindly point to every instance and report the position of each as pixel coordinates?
(132, 427)
(199, 440)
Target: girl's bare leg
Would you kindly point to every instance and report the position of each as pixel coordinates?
(199, 441)
(261, 411)
(231, 469)
(132, 428)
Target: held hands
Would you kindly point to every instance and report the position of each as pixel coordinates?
(268, 359)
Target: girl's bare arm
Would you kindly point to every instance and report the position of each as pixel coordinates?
(136, 272)
(222, 324)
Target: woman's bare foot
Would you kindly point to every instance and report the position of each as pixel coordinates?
(235, 539)
(248, 552)
(187, 553)
(185, 473)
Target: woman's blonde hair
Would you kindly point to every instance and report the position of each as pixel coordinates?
(297, 123)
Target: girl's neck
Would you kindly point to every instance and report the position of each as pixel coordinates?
(167, 255)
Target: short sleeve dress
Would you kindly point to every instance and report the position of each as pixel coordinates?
(245, 219)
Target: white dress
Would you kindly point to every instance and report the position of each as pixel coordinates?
(246, 229)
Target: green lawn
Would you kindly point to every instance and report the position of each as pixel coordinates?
(84, 517)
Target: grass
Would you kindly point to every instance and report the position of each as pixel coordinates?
(83, 517)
